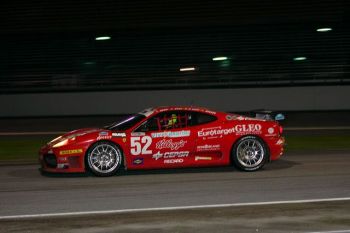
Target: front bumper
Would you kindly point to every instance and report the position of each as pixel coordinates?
(51, 160)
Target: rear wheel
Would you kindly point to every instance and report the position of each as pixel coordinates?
(104, 158)
(249, 153)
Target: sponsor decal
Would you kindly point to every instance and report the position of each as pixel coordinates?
(169, 144)
(104, 137)
(271, 132)
(237, 129)
(171, 154)
(137, 161)
(62, 159)
(207, 158)
(157, 156)
(69, 152)
(140, 145)
(242, 118)
(230, 117)
(208, 147)
(173, 161)
(118, 135)
(170, 134)
(136, 134)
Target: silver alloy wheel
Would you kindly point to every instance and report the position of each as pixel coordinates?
(250, 153)
(104, 158)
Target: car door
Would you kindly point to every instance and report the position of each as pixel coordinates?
(163, 141)
(209, 144)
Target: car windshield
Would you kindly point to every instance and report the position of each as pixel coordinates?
(126, 123)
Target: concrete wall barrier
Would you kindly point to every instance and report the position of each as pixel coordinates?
(121, 102)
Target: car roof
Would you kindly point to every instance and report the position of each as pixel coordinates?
(184, 108)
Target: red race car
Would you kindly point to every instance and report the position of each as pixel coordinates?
(167, 137)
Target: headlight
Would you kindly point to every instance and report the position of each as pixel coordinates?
(54, 140)
(62, 143)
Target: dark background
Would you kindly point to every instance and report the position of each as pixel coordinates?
(50, 46)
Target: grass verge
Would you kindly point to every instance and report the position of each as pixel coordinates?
(22, 148)
(318, 142)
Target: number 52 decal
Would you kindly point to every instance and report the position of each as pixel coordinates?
(140, 145)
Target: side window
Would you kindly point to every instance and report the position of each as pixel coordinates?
(149, 125)
(167, 121)
(202, 118)
(174, 120)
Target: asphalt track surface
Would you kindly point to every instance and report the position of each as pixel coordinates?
(297, 176)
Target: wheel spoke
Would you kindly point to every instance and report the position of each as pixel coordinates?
(104, 158)
(250, 153)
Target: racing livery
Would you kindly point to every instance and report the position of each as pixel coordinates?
(167, 137)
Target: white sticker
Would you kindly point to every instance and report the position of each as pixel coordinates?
(171, 154)
(172, 134)
(169, 144)
(237, 129)
(202, 158)
(118, 134)
(140, 145)
(173, 161)
(208, 147)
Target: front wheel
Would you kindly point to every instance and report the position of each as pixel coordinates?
(104, 158)
(249, 153)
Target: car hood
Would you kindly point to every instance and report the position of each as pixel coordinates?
(77, 133)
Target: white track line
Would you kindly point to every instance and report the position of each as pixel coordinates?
(316, 128)
(341, 231)
(30, 133)
(171, 208)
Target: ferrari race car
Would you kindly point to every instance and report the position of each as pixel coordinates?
(167, 137)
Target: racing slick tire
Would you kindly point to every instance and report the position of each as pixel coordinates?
(249, 153)
(104, 158)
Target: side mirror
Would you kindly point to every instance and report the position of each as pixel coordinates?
(279, 117)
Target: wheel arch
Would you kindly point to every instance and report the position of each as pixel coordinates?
(250, 135)
(109, 141)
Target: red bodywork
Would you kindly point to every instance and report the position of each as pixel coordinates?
(185, 144)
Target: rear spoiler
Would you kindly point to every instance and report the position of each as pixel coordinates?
(267, 115)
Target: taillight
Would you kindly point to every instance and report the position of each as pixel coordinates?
(280, 129)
